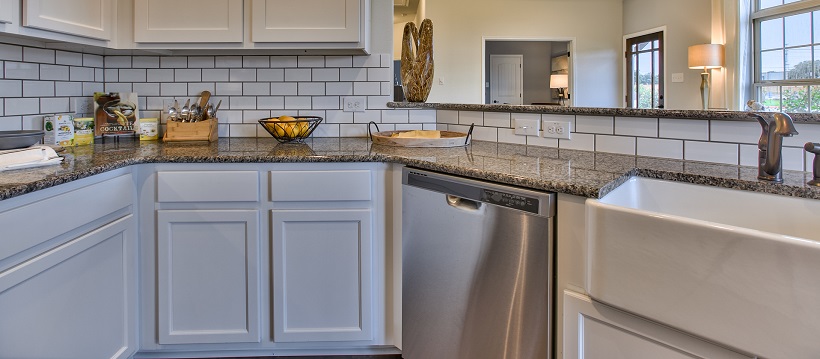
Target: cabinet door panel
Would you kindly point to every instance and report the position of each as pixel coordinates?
(74, 301)
(306, 20)
(88, 18)
(208, 276)
(322, 275)
(593, 330)
(9, 12)
(188, 21)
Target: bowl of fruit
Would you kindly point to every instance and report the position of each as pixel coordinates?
(289, 128)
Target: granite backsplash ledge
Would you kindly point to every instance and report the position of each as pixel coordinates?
(581, 173)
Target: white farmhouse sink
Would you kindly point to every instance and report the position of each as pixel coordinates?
(736, 267)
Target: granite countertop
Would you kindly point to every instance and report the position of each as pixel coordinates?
(604, 111)
(581, 173)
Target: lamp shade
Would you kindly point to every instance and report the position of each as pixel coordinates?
(706, 56)
(559, 81)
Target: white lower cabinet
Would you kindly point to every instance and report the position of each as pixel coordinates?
(208, 283)
(594, 330)
(77, 300)
(322, 275)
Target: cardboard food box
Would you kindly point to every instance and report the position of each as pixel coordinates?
(59, 130)
(115, 113)
(84, 131)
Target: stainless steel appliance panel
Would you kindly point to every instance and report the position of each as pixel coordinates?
(477, 277)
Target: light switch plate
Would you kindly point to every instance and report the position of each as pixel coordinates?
(354, 103)
(557, 129)
(677, 77)
(527, 127)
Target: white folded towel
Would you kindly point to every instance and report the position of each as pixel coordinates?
(34, 156)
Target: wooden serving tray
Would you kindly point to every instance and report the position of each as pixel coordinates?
(190, 131)
(447, 139)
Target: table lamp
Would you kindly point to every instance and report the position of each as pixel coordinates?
(560, 82)
(706, 56)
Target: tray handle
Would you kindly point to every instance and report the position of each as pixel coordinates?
(369, 133)
(469, 134)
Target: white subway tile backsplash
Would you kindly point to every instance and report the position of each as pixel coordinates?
(10, 123)
(734, 131)
(283, 61)
(683, 129)
(297, 75)
(81, 74)
(327, 102)
(447, 116)
(270, 102)
(244, 130)
(337, 116)
(311, 61)
(11, 52)
(91, 60)
(212, 74)
(395, 116)
(172, 62)
(353, 130)
(323, 74)
(807, 132)
(507, 135)
(380, 74)
(636, 126)
(67, 88)
(228, 88)
(367, 88)
(367, 116)
(387, 60)
(481, 133)
(116, 62)
(185, 75)
(387, 88)
(378, 102)
(793, 159)
(408, 126)
(229, 116)
(471, 117)
(89, 88)
(111, 75)
(373, 60)
(54, 105)
(242, 103)
(99, 75)
(34, 54)
(34, 122)
(498, 119)
(146, 89)
(38, 88)
(298, 102)
(228, 61)
(326, 130)
(748, 155)
(353, 74)
(23, 70)
(134, 75)
(145, 62)
(65, 58)
(579, 141)
(339, 88)
(54, 72)
(339, 61)
(424, 116)
(11, 88)
(255, 88)
(118, 87)
(594, 124)
(173, 89)
(253, 116)
(284, 88)
(657, 147)
(615, 144)
(311, 88)
(255, 61)
(22, 106)
(271, 75)
(159, 75)
(711, 152)
(242, 75)
(541, 141)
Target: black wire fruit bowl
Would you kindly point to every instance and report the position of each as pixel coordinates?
(290, 129)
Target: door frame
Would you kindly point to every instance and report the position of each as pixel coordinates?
(624, 75)
(520, 72)
(570, 48)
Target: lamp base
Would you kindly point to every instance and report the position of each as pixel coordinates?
(704, 89)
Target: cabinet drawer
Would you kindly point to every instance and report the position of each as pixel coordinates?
(53, 216)
(320, 185)
(208, 186)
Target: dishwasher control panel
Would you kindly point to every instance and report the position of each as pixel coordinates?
(510, 200)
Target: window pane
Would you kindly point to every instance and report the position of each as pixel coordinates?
(815, 98)
(656, 44)
(765, 4)
(656, 70)
(771, 34)
(798, 29)
(644, 46)
(795, 98)
(771, 65)
(816, 66)
(634, 79)
(770, 97)
(645, 80)
(790, 1)
(798, 63)
(816, 25)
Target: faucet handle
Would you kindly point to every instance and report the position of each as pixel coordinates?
(814, 148)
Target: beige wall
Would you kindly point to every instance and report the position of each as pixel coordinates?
(595, 26)
(687, 23)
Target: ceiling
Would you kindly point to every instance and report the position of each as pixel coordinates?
(405, 7)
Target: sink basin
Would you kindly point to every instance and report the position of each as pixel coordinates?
(736, 267)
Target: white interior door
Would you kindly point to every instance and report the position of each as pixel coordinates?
(506, 79)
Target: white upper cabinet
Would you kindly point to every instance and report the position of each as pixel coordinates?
(8, 11)
(87, 18)
(306, 20)
(185, 21)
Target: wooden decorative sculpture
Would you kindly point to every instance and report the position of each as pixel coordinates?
(417, 61)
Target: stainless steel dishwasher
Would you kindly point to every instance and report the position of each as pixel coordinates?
(477, 269)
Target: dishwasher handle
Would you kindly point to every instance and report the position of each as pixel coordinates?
(463, 203)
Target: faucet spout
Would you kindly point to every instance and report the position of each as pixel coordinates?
(770, 145)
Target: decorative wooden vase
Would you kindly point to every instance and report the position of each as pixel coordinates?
(417, 61)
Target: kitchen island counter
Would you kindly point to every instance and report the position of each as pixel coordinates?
(581, 173)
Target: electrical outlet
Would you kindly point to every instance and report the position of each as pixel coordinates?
(557, 129)
(354, 103)
(83, 106)
(526, 127)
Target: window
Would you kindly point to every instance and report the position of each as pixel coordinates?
(787, 54)
(644, 69)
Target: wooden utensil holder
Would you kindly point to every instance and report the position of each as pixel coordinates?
(191, 131)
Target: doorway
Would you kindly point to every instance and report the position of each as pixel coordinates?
(506, 79)
(538, 63)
